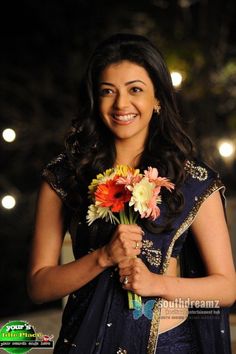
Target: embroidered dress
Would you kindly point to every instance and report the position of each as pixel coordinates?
(96, 319)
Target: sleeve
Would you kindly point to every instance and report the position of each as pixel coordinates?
(200, 183)
(56, 174)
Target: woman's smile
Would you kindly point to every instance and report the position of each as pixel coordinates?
(126, 100)
(124, 118)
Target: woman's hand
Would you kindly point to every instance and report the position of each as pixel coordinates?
(139, 278)
(126, 242)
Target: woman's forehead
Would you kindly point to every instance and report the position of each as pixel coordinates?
(126, 71)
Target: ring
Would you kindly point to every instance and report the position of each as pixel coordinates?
(125, 281)
(136, 245)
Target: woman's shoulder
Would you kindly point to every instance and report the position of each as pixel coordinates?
(201, 181)
(57, 172)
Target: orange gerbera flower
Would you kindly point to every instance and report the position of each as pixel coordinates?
(112, 195)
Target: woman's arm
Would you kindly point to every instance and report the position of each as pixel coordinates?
(211, 234)
(47, 280)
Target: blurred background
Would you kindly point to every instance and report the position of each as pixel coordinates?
(44, 46)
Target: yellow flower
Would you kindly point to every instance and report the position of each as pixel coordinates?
(100, 178)
(124, 170)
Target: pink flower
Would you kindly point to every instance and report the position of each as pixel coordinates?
(153, 211)
(129, 181)
(164, 182)
(152, 174)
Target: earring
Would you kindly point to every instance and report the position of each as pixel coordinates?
(157, 108)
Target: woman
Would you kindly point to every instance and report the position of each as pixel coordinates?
(128, 115)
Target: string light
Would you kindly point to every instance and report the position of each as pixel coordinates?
(9, 135)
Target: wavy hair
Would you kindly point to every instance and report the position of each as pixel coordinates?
(90, 145)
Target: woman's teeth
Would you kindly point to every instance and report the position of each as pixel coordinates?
(125, 118)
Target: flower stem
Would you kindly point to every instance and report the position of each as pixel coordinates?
(133, 299)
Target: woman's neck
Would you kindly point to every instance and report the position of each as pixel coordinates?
(128, 154)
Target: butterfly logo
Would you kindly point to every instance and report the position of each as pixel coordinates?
(145, 309)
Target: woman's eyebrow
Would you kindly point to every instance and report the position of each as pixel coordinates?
(134, 81)
(126, 84)
(106, 83)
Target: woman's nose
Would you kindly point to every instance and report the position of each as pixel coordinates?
(121, 101)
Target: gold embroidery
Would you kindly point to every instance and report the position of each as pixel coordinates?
(153, 337)
(152, 342)
(121, 351)
(153, 256)
(197, 172)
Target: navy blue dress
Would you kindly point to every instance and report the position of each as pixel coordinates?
(96, 319)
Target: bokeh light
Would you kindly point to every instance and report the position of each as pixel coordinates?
(226, 148)
(8, 202)
(176, 78)
(9, 135)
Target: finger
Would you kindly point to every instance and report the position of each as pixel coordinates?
(127, 248)
(127, 283)
(124, 278)
(124, 263)
(137, 266)
(124, 238)
(130, 247)
(136, 252)
(133, 228)
(127, 287)
(126, 271)
(137, 262)
(135, 237)
(136, 244)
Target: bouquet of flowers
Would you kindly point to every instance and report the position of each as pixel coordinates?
(122, 194)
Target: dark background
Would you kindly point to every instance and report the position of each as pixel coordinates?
(44, 46)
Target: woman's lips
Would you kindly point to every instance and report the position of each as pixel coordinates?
(124, 118)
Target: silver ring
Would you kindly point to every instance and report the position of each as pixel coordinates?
(126, 280)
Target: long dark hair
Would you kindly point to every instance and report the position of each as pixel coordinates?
(90, 145)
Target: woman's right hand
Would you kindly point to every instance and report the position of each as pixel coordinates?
(126, 242)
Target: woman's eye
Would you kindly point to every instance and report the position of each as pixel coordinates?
(136, 89)
(105, 92)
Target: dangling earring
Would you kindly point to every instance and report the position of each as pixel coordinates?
(157, 108)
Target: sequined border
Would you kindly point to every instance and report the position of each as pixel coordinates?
(51, 178)
(121, 351)
(153, 337)
(197, 172)
(153, 256)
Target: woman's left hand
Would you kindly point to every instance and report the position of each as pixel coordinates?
(138, 276)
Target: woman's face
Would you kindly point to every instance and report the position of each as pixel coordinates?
(126, 100)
